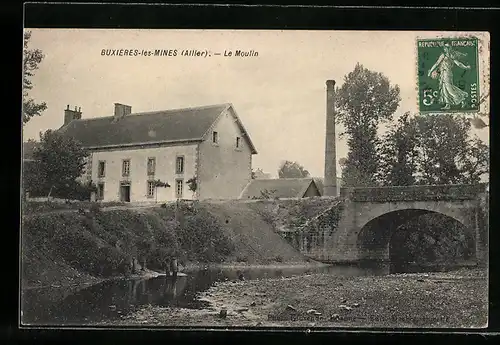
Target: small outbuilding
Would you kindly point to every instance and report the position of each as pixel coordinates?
(280, 188)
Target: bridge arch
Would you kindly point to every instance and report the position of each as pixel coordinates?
(462, 210)
(377, 240)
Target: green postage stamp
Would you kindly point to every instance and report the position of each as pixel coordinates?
(448, 75)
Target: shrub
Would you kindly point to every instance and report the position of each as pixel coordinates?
(241, 259)
(95, 207)
(200, 236)
(89, 242)
(111, 261)
(86, 258)
(267, 194)
(192, 184)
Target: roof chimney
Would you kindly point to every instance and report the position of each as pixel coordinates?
(330, 184)
(70, 115)
(122, 110)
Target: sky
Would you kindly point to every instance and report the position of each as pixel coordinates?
(280, 95)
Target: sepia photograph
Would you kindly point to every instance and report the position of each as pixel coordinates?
(254, 178)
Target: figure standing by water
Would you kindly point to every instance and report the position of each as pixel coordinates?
(449, 94)
(167, 266)
(174, 267)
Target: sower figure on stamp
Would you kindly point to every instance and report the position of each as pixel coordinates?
(449, 94)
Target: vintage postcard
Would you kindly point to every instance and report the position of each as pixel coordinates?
(232, 178)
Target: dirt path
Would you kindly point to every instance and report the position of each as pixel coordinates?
(103, 209)
(416, 300)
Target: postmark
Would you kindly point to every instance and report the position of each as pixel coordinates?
(448, 75)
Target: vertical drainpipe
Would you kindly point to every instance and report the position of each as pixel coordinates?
(330, 179)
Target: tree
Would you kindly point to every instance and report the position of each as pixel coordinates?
(78, 190)
(365, 99)
(31, 59)
(289, 169)
(31, 179)
(431, 238)
(447, 153)
(159, 184)
(398, 153)
(30, 170)
(433, 149)
(267, 194)
(60, 160)
(476, 161)
(192, 184)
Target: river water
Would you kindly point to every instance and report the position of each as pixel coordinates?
(114, 299)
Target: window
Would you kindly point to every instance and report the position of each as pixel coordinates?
(126, 167)
(238, 142)
(101, 169)
(100, 191)
(179, 188)
(179, 165)
(151, 189)
(151, 166)
(215, 137)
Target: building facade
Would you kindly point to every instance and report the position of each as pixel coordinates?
(131, 153)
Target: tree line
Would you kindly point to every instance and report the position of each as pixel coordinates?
(416, 149)
(58, 161)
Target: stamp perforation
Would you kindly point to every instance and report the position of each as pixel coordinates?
(441, 57)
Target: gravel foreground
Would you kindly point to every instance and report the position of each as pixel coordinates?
(436, 300)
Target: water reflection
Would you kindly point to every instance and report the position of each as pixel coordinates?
(413, 267)
(113, 299)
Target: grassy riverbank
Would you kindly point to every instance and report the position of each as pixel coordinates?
(455, 299)
(63, 248)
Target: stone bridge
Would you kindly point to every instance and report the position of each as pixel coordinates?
(370, 216)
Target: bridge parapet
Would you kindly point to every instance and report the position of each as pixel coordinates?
(414, 193)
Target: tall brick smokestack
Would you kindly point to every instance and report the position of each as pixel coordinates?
(330, 182)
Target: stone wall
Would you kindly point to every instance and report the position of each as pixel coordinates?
(415, 193)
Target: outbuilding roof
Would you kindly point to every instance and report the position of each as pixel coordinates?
(280, 188)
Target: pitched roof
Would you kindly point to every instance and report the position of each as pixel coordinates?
(320, 183)
(280, 188)
(176, 125)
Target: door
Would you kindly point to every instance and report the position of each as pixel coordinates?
(125, 192)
